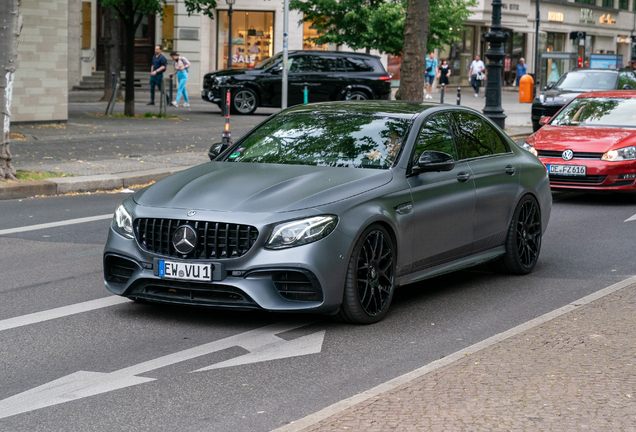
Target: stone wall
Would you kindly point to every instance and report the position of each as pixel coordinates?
(41, 81)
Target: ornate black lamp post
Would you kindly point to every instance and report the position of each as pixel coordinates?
(496, 37)
(229, 43)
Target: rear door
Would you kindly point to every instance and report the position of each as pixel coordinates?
(495, 176)
(326, 78)
(443, 202)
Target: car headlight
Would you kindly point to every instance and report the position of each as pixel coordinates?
(625, 153)
(122, 222)
(529, 148)
(542, 98)
(300, 232)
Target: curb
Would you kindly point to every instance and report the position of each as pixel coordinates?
(91, 183)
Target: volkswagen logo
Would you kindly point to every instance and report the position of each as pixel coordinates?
(191, 213)
(567, 154)
(184, 239)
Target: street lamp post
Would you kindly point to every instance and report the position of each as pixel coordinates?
(230, 3)
(495, 54)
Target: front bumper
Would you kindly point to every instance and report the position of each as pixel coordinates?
(308, 278)
(600, 175)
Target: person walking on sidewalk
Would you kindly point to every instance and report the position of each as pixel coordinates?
(431, 72)
(156, 72)
(444, 73)
(181, 66)
(477, 74)
(522, 69)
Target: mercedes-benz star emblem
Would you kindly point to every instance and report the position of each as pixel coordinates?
(184, 239)
(567, 154)
(191, 213)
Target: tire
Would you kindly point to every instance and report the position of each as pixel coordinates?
(244, 101)
(523, 241)
(358, 96)
(370, 283)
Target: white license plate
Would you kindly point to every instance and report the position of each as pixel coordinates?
(185, 271)
(567, 170)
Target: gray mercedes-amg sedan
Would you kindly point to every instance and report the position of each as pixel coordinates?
(328, 208)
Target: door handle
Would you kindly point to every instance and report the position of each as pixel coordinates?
(510, 170)
(462, 177)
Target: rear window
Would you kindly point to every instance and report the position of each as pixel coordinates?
(356, 64)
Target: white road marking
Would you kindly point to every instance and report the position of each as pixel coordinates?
(261, 342)
(55, 224)
(630, 218)
(61, 312)
(314, 418)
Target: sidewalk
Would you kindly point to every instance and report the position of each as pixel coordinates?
(576, 372)
(116, 152)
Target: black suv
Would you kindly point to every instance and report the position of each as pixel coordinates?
(328, 76)
(573, 83)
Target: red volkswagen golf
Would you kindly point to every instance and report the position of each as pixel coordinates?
(590, 143)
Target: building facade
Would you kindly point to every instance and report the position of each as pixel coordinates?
(61, 42)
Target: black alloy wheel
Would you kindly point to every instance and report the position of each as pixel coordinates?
(370, 278)
(358, 96)
(244, 101)
(523, 243)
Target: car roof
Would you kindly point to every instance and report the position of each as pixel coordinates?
(336, 53)
(397, 109)
(598, 70)
(628, 94)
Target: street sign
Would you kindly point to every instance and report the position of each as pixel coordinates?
(262, 343)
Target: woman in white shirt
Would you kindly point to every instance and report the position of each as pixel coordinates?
(181, 65)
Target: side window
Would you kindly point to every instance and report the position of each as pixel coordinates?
(355, 64)
(300, 63)
(626, 78)
(327, 64)
(498, 144)
(470, 135)
(435, 135)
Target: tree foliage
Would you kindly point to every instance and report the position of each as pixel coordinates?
(372, 24)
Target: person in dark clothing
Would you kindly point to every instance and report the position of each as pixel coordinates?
(156, 72)
(444, 72)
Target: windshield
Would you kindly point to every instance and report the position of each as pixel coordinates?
(267, 63)
(584, 81)
(325, 139)
(598, 112)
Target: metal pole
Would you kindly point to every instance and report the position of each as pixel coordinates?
(495, 38)
(459, 95)
(285, 51)
(536, 46)
(441, 98)
(113, 97)
(229, 39)
(171, 88)
(112, 91)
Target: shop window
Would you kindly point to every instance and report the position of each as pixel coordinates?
(608, 3)
(142, 31)
(459, 55)
(252, 38)
(86, 25)
(591, 2)
(309, 31)
(623, 4)
(167, 31)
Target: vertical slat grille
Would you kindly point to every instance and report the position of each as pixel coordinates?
(215, 240)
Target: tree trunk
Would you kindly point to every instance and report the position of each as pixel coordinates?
(416, 26)
(112, 54)
(10, 27)
(129, 27)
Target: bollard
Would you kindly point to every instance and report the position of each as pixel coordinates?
(171, 99)
(459, 95)
(441, 98)
(305, 95)
(227, 136)
(113, 96)
(348, 95)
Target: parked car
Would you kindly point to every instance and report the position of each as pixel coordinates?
(573, 83)
(326, 208)
(327, 75)
(591, 143)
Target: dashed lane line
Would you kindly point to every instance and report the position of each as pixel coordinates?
(55, 224)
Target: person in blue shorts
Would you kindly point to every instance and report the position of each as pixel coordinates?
(431, 73)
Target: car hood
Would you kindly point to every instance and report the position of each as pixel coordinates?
(560, 97)
(583, 139)
(253, 187)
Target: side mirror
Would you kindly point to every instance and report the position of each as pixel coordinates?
(437, 161)
(544, 120)
(215, 150)
(627, 87)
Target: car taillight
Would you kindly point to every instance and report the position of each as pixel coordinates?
(385, 78)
